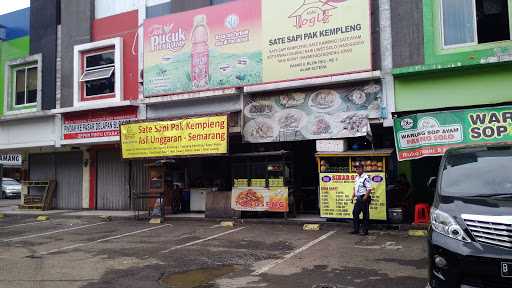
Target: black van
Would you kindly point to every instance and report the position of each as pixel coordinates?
(470, 236)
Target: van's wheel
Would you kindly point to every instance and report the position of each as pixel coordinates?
(3, 195)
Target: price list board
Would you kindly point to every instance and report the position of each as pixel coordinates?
(336, 195)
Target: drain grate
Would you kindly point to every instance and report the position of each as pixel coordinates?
(324, 286)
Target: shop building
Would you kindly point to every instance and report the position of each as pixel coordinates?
(28, 57)
(451, 59)
(280, 94)
(286, 85)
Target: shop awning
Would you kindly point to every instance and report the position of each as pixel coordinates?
(376, 152)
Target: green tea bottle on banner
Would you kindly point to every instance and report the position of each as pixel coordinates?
(200, 54)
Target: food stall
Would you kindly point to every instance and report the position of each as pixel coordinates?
(261, 183)
(337, 176)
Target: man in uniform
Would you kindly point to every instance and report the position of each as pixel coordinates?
(362, 194)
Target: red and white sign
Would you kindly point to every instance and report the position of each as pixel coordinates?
(96, 123)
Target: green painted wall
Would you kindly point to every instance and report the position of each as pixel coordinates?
(439, 58)
(10, 50)
(487, 85)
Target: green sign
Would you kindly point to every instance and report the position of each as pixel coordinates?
(430, 134)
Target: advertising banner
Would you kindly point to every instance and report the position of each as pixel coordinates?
(14, 159)
(309, 38)
(184, 137)
(336, 191)
(274, 199)
(431, 134)
(258, 41)
(315, 114)
(96, 123)
(213, 47)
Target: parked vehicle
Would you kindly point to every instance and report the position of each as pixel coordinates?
(10, 188)
(470, 238)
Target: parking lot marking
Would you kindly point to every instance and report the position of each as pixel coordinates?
(104, 239)
(31, 223)
(202, 240)
(51, 232)
(303, 248)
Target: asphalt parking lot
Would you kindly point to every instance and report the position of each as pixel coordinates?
(87, 252)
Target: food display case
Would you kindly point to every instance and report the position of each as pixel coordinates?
(261, 182)
(337, 175)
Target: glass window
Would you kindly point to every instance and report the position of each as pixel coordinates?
(99, 74)
(492, 20)
(458, 22)
(158, 10)
(25, 90)
(468, 22)
(215, 2)
(20, 86)
(101, 59)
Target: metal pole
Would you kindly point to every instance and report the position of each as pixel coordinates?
(1, 178)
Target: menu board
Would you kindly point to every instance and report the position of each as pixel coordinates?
(336, 190)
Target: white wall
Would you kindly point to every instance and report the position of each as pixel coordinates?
(105, 8)
(26, 133)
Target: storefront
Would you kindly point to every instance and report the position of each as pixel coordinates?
(11, 165)
(101, 178)
(295, 124)
(421, 139)
(185, 160)
(285, 84)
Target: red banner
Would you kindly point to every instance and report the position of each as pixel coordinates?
(96, 123)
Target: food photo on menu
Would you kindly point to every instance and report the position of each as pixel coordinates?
(315, 114)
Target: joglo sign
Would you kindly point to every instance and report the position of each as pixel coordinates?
(431, 134)
(249, 42)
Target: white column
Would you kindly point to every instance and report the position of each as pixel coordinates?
(86, 176)
(388, 84)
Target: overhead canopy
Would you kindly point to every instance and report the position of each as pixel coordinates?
(355, 153)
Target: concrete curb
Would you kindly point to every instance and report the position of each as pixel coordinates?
(237, 221)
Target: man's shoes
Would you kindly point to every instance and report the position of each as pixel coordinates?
(364, 233)
(354, 232)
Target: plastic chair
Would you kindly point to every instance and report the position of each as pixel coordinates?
(422, 213)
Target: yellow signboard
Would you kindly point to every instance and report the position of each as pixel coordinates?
(336, 195)
(241, 183)
(303, 39)
(258, 182)
(195, 136)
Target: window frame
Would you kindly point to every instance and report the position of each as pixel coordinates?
(81, 52)
(10, 106)
(469, 44)
(83, 70)
(13, 79)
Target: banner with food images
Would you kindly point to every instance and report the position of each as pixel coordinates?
(312, 114)
(273, 199)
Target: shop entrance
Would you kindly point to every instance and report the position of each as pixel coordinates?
(422, 171)
(192, 185)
